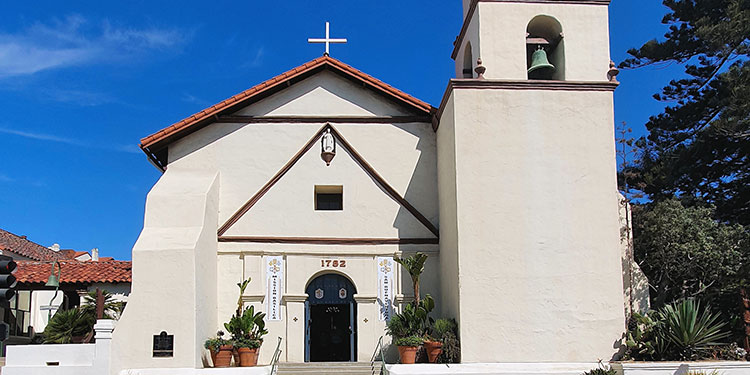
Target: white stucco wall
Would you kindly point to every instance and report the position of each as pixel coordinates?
(174, 274)
(537, 224)
(501, 38)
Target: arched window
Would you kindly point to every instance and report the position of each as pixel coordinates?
(468, 70)
(544, 33)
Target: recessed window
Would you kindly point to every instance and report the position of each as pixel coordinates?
(329, 198)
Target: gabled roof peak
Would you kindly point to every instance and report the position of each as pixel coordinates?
(155, 144)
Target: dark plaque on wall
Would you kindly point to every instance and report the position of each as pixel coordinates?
(163, 345)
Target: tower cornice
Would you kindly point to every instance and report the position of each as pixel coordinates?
(504, 84)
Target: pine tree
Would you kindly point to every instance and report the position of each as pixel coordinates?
(698, 148)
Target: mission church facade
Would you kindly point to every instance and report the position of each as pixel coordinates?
(309, 183)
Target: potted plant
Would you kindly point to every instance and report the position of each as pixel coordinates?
(247, 329)
(407, 348)
(434, 342)
(214, 348)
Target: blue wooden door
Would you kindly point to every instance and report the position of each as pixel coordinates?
(330, 320)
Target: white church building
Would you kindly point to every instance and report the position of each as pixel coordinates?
(310, 182)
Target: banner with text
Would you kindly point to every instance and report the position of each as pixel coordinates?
(275, 285)
(386, 287)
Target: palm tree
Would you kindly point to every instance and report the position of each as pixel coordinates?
(415, 266)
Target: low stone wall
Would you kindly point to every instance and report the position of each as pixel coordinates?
(492, 368)
(259, 370)
(682, 368)
(62, 359)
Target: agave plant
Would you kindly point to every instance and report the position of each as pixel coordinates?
(690, 328)
(66, 324)
(680, 331)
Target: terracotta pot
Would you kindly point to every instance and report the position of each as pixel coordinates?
(408, 354)
(248, 357)
(224, 356)
(434, 349)
(213, 356)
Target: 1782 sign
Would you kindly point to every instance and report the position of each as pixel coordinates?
(335, 263)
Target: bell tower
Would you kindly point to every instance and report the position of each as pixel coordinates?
(529, 232)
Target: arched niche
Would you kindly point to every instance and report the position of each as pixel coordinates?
(468, 65)
(546, 32)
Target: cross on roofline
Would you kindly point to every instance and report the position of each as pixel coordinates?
(327, 39)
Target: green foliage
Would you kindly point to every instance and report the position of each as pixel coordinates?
(409, 341)
(66, 324)
(601, 370)
(697, 148)
(249, 325)
(686, 253)
(446, 331)
(443, 327)
(246, 343)
(214, 343)
(680, 331)
(112, 309)
(415, 266)
(246, 327)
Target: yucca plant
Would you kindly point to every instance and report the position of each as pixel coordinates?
(691, 329)
(415, 266)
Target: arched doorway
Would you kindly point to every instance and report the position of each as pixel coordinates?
(330, 320)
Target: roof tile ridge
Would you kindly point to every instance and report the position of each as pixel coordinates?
(381, 83)
(245, 93)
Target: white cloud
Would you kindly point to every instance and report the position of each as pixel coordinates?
(74, 41)
(130, 149)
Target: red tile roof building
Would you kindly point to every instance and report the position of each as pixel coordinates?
(76, 272)
(21, 246)
(37, 270)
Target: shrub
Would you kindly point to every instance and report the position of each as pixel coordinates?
(66, 324)
(409, 341)
(214, 343)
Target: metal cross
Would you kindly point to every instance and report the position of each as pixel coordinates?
(327, 39)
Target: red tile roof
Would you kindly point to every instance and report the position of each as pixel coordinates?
(75, 272)
(21, 246)
(156, 142)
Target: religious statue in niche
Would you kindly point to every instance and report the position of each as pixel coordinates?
(328, 147)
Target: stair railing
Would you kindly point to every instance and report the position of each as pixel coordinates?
(275, 358)
(379, 352)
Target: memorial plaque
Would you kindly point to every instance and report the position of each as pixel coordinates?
(163, 345)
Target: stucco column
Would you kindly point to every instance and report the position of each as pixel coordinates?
(369, 329)
(295, 323)
(102, 351)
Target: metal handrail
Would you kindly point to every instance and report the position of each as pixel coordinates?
(275, 358)
(378, 350)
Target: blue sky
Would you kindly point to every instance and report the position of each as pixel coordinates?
(81, 82)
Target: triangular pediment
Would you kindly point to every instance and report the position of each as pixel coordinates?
(283, 208)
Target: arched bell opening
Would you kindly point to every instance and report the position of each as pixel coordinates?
(545, 49)
(330, 319)
(468, 65)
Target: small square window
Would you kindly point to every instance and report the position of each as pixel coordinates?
(329, 198)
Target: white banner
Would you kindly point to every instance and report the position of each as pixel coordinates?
(386, 287)
(275, 286)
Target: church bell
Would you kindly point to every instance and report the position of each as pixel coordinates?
(540, 64)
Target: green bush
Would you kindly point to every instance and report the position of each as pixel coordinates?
(678, 331)
(66, 324)
(214, 343)
(409, 341)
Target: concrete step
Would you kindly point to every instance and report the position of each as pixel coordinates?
(321, 368)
